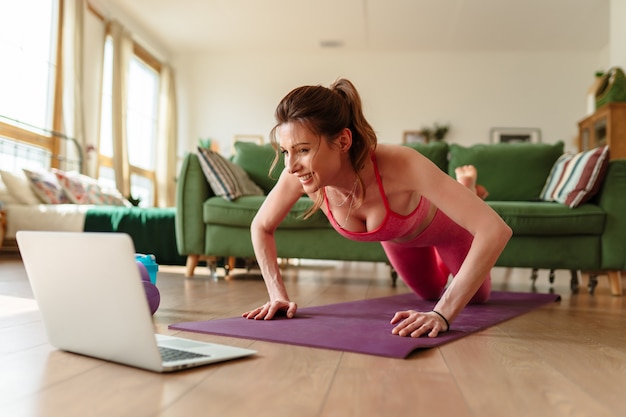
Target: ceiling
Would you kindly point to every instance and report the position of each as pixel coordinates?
(415, 25)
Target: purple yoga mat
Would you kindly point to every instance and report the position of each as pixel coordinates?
(363, 326)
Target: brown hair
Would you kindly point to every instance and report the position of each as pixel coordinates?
(326, 112)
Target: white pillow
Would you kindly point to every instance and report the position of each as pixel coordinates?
(18, 187)
(5, 195)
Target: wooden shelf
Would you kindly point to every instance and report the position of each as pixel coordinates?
(3, 226)
(607, 126)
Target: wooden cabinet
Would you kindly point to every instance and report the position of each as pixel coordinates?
(3, 226)
(607, 126)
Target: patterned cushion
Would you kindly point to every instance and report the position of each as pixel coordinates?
(46, 187)
(111, 197)
(227, 179)
(88, 190)
(574, 179)
(80, 189)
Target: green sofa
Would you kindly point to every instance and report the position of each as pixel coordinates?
(546, 235)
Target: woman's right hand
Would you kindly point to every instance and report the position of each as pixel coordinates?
(268, 310)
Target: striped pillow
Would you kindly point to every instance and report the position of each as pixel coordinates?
(226, 179)
(574, 179)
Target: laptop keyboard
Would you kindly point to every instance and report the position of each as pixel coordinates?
(169, 354)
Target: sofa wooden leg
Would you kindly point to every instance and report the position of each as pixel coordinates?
(573, 284)
(393, 274)
(584, 275)
(192, 262)
(593, 282)
(229, 265)
(615, 281)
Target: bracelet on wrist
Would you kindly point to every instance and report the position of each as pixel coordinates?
(444, 319)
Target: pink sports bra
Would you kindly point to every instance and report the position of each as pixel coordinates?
(393, 225)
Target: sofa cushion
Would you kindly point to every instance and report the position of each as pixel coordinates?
(225, 178)
(437, 152)
(79, 189)
(82, 189)
(5, 195)
(544, 218)
(240, 213)
(574, 179)
(46, 187)
(18, 186)
(509, 171)
(256, 160)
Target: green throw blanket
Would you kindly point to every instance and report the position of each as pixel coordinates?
(152, 229)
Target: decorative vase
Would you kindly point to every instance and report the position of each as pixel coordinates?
(591, 93)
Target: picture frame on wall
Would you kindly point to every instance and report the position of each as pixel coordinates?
(414, 136)
(258, 139)
(515, 135)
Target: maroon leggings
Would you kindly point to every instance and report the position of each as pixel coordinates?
(425, 262)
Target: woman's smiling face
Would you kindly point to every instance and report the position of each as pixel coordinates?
(307, 156)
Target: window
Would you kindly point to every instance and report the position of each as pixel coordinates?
(106, 175)
(142, 95)
(28, 46)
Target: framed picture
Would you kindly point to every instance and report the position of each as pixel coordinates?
(414, 136)
(515, 134)
(258, 139)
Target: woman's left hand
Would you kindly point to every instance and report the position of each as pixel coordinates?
(413, 323)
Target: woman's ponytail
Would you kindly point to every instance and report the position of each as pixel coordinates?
(363, 136)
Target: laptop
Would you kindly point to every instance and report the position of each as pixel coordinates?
(89, 291)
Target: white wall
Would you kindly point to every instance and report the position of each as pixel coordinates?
(224, 94)
(221, 95)
(142, 36)
(618, 33)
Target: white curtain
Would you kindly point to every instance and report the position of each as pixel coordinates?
(122, 50)
(167, 143)
(167, 120)
(72, 76)
(94, 37)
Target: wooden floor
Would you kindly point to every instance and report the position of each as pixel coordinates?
(565, 359)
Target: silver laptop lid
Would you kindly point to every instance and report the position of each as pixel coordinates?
(89, 291)
(90, 294)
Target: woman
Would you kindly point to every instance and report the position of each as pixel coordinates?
(428, 224)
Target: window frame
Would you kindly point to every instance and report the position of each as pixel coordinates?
(46, 140)
(147, 58)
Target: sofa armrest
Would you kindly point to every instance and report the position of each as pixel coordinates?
(612, 199)
(192, 190)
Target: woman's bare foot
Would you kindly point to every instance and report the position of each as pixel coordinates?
(481, 191)
(467, 175)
